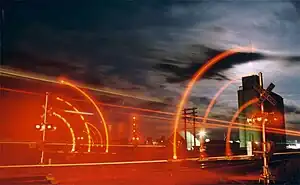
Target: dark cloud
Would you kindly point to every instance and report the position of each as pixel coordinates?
(294, 122)
(179, 74)
(291, 109)
(52, 67)
(200, 100)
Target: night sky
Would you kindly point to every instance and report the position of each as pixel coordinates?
(152, 47)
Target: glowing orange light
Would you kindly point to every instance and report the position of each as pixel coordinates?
(14, 73)
(133, 118)
(120, 106)
(38, 126)
(70, 128)
(82, 118)
(210, 125)
(220, 91)
(99, 134)
(95, 106)
(191, 83)
(237, 113)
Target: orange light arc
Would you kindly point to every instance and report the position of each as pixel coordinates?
(237, 113)
(95, 106)
(97, 130)
(82, 118)
(70, 128)
(191, 83)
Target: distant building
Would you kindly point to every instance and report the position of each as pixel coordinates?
(245, 93)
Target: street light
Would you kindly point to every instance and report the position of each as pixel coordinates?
(202, 133)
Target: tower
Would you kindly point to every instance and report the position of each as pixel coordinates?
(247, 92)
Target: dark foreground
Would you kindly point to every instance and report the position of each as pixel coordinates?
(166, 173)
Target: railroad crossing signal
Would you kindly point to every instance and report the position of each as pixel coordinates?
(265, 94)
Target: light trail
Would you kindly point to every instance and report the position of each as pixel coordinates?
(95, 106)
(237, 113)
(97, 130)
(9, 72)
(81, 113)
(220, 91)
(200, 72)
(161, 112)
(119, 106)
(85, 164)
(81, 117)
(70, 128)
(84, 144)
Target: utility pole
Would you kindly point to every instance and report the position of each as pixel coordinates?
(194, 125)
(44, 127)
(190, 112)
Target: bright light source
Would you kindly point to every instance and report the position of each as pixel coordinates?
(256, 142)
(249, 120)
(38, 126)
(275, 119)
(259, 119)
(133, 138)
(266, 119)
(207, 140)
(49, 126)
(230, 141)
(137, 138)
(133, 118)
(54, 128)
(202, 133)
(81, 138)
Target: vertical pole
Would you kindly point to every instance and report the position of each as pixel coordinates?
(185, 137)
(265, 167)
(194, 127)
(44, 127)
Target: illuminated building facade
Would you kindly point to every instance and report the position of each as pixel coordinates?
(245, 93)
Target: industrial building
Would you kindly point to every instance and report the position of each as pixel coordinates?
(247, 92)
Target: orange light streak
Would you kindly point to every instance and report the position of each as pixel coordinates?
(191, 83)
(70, 128)
(84, 164)
(97, 130)
(213, 101)
(95, 106)
(115, 106)
(155, 111)
(43, 78)
(237, 113)
(82, 118)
